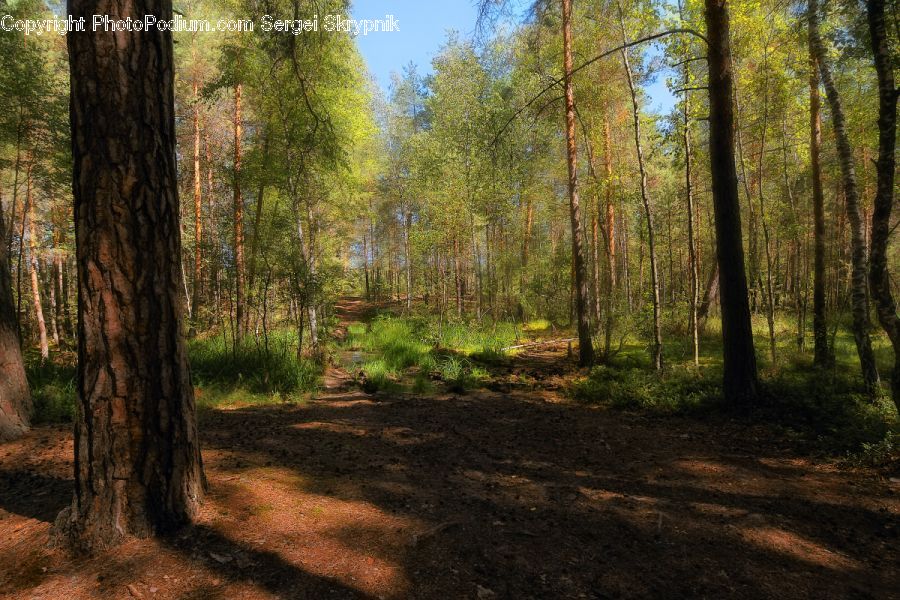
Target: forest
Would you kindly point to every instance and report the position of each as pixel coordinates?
(508, 327)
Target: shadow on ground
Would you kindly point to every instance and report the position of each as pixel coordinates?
(483, 495)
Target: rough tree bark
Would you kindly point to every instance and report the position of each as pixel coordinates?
(15, 397)
(879, 274)
(137, 455)
(858, 280)
(739, 356)
(585, 346)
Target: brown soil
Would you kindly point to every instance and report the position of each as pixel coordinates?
(493, 494)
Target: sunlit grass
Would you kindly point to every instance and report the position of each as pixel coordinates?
(53, 391)
(537, 325)
(274, 371)
(422, 348)
(222, 376)
(826, 408)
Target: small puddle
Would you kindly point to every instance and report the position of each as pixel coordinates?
(355, 358)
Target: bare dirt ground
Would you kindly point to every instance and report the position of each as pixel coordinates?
(492, 494)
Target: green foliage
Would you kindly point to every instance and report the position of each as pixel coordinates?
(829, 410)
(52, 390)
(423, 348)
(276, 372)
(678, 391)
(459, 373)
(221, 375)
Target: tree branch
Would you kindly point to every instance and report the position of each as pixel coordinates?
(584, 65)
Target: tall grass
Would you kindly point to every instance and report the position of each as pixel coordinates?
(221, 375)
(250, 372)
(52, 390)
(424, 348)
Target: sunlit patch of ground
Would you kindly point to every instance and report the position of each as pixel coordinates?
(349, 541)
(795, 546)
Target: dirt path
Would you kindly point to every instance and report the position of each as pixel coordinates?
(494, 494)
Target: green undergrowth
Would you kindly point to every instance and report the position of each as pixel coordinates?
(823, 411)
(222, 376)
(53, 390)
(251, 373)
(416, 352)
(631, 387)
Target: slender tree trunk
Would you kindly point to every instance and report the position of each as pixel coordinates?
(692, 246)
(54, 308)
(257, 223)
(770, 291)
(612, 277)
(526, 249)
(213, 270)
(740, 376)
(585, 346)
(822, 354)
(238, 217)
(58, 286)
(198, 208)
(307, 255)
(22, 232)
(753, 238)
(656, 349)
(858, 279)
(33, 271)
(17, 169)
(879, 274)
(796, 245)
(595, 249)
(56, 279)
(457, 272)
(15, 397)
(407, 226)
(137, 453)
(366, 267)
(64, 285)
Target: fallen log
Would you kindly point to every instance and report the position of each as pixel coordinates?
(536, 344)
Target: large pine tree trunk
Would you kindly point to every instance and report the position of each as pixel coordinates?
(585, 346)
(15, 398)
(858, 278)
(740, 376)
(820, 324)
(879, 275)
(137, 455)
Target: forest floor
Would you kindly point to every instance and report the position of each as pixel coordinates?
(506, 492)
